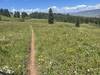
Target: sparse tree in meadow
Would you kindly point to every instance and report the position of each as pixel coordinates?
(96, 22)
(11, 13)
(24, 14)
(50, 17)
(22, 20)
(99, 23)
(77, 23)
(17, 14)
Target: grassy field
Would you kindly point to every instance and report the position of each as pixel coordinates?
(61, 48)
(14, 42)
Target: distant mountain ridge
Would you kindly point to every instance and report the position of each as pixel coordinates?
(88, 13)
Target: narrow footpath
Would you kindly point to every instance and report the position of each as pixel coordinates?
(31, 62)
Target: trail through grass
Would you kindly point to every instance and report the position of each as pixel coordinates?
(61, 48)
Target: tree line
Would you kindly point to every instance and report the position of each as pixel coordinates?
(16, 14)
(66, 18)
(5, 12)
(56, 16)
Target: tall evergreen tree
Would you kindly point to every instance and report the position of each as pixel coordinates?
(77, 23)
(50, 17)
(1, 11)
(5, 12)
(17, 14)
(24, 14)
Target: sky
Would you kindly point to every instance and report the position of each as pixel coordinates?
(62, 6)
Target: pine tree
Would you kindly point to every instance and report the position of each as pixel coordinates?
(51, 17)
(5, 12)
(17, 14)
(77, 23)
(24, 14)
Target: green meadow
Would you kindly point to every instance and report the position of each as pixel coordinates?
(61, 48)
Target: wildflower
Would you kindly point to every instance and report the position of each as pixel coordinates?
(88, 70)
(50, 63)
(7, 70)
(75, 72)
(19, 66)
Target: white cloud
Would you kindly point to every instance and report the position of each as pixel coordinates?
(65, 9)
(75, 7)
(26, 10)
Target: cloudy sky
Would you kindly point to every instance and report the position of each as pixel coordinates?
(60, 6)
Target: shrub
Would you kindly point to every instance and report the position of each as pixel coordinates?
(22, 19)
(0, 18)
(77, 23)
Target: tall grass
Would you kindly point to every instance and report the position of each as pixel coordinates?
(14, 42)
(63, 49)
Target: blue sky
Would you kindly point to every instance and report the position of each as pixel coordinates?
(44, 4)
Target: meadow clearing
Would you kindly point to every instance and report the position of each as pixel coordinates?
(61, 48)
(14, 41)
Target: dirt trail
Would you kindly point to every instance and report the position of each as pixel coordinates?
(31, 62)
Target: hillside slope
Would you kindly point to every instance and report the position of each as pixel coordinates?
(89, 13)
